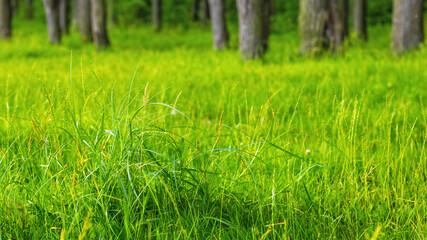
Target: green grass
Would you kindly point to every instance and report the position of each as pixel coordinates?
(161, 137)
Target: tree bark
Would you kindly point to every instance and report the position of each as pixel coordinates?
(5, 19)
(219, 24)
(253, 28)
(267, 11)
(323, 24)
(15, 7)
(313, 17)
(195, 10)
(52, 17)
(99, 28)
(84, 20)
(408, 25)
(205, 13)
(29, 9)
(360, 24)
(64, 16)
(337, 27)
(157, 15)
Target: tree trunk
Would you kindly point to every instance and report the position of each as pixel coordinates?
(408, 25)
(360, 25)
(29, 9)
(313, 17)
(5, 19)
(64, 16)
(84, 16)
(157, 15)
(267, 10)
(52, 17)
(99, 28)
(195, 10)
(15, 7)
(219, 24)
(323, 24)
(337, 27)
(205, 13)
(252, 30)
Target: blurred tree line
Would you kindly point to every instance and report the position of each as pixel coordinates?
(181, 12)
(324, 25)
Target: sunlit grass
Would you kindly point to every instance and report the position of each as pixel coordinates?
(161, 137)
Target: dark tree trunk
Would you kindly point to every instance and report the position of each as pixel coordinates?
(157, 15)
(205, 13)
(5, 19)
(360, 25)
(195, 10)
(15, 7)
(52, 17)
(337, 27)
(84, 23)
(29, 9)
(267, 10)
(313, 18)
(64, 16)
(219, 24)
(99, 28)
(408, 25)
(253, 28)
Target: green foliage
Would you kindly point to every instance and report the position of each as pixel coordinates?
(179, 12)
(139, 11)
(380, 11)
(161, 137)
(285, 12)
(133, 11)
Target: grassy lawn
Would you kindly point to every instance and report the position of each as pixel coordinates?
(161, 137)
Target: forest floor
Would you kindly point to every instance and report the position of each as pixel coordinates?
(161, 137)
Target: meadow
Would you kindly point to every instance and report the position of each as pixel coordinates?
(160, 137)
